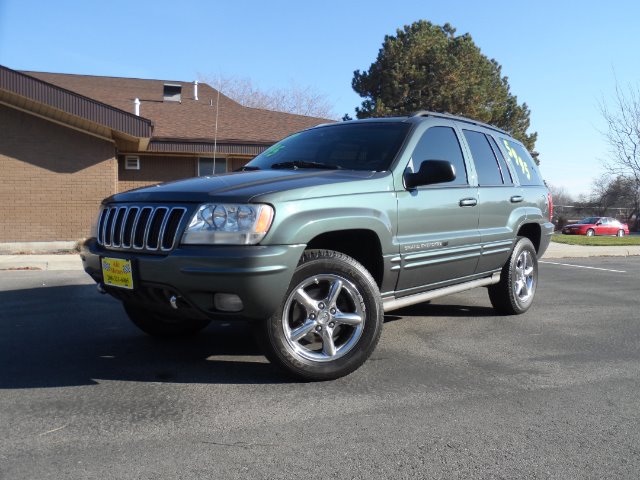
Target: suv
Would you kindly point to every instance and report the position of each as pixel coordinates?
(321, 234)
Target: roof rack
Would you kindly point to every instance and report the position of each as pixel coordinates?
(447, 115)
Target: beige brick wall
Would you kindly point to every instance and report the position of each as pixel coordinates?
(52, 179)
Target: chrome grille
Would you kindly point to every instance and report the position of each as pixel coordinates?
(147, 228)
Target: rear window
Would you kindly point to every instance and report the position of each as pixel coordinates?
(363, 146)
(484, 159)
(524, 165)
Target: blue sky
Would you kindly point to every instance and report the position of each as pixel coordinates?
(560, 57)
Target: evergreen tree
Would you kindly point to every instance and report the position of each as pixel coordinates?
(428, 67)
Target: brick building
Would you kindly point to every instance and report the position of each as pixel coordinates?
(68, 141)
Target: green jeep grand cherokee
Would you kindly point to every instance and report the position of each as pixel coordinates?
(320, 235)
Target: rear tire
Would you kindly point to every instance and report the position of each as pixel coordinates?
(158, 325)
(329, 321)
(590, 232)
(514, 293)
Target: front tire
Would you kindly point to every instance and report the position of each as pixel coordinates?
(163, 326)
(590, 232)
(330, 320)
(620, 233)
(514, 293)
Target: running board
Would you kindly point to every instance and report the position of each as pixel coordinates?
(390, 304)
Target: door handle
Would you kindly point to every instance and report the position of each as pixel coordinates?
(468, 202)
(517, 199)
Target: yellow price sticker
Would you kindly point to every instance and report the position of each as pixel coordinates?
(517, 159)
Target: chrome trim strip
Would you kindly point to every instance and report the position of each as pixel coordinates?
(101, 219)
(435, 261)
(113, 226)
(147, 227)
(156, 212)
(133, 239)
(106, 222)
(122, 225)
(390, 304)
(175, 235)
(133, 225)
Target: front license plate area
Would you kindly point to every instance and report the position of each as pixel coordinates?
(117, 272)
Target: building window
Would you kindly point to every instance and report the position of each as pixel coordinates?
(131, 163)
(210, 166)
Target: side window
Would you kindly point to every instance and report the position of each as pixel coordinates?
(506, 173)
(484, 159)
(441, 143)
(524, 165)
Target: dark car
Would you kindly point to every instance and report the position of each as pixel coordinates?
(591, 226)
(327, 230)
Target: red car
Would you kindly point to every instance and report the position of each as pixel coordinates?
(591, 226)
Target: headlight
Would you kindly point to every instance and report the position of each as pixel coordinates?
(228, 224)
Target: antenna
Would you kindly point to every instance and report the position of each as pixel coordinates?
(215, 137)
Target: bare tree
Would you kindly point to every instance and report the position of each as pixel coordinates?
(617, 196)
(622, 133)
(563, 204)
(295, 99)
(560, 195)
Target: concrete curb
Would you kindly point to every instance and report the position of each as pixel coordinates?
(41, 262)
(561, 250)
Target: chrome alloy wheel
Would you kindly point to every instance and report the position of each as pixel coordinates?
(323, 318)
(524, 278)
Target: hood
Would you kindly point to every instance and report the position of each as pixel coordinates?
(251, 186)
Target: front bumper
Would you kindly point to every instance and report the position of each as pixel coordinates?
(259, 275)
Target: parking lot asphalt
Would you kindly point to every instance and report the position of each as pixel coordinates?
(452, 391)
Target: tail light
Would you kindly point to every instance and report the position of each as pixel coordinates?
(550, 199)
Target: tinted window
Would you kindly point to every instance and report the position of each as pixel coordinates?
(524, 165)
(353, 146)
(483, 158)
(441, 143)
(506, 173)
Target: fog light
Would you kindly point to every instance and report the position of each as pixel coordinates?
(227, 302)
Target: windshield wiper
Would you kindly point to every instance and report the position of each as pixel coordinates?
(302, 164)
(247, 168)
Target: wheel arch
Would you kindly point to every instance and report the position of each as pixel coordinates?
(533, 232)
(362, 245)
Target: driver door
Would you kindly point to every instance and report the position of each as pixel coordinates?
(438, 231)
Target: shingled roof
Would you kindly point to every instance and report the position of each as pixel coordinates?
(189, 120)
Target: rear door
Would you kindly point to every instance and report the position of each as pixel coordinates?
(499, 199)
(535, 199)
(438, 224)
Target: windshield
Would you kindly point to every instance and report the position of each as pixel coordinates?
(351, 146)
(589, 220)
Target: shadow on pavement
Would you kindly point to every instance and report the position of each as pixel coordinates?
(71, 335)
(440, 310)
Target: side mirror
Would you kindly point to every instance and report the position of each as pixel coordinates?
(430, 172)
